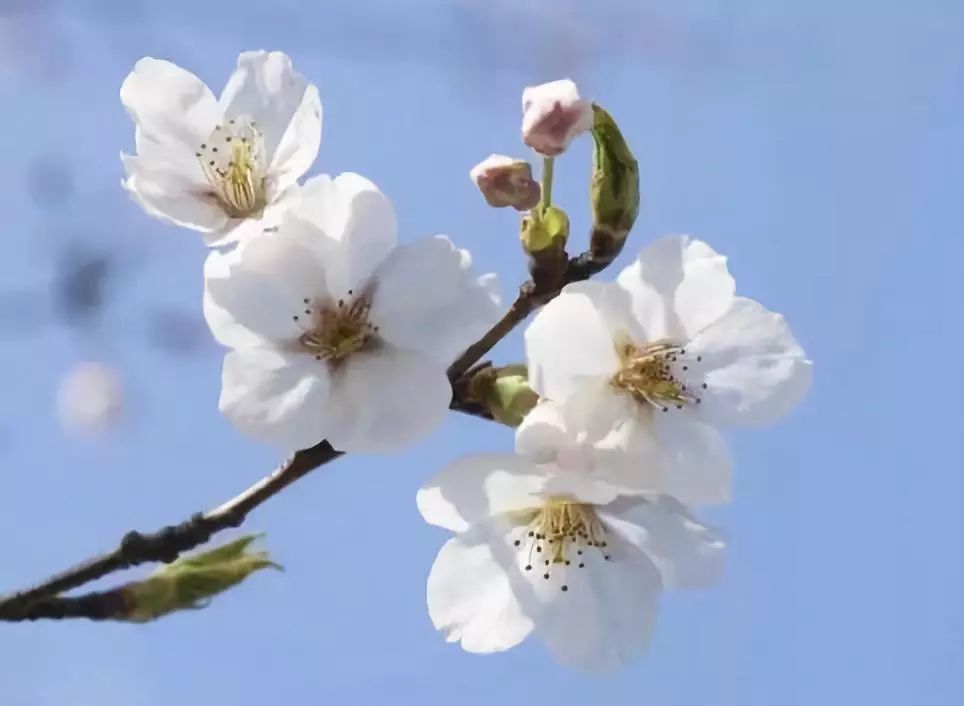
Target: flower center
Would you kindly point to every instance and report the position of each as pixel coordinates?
(560, 533)
(336, 330)
(233, 161)
(657, 373)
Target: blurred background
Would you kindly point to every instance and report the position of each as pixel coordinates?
(819, 144)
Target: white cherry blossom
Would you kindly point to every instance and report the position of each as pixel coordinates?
(224, 167)
(339, 332)
(553, 550)
(669, 351)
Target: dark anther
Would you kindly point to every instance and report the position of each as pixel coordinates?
(665, 409)
(547, 562)
(686, 367)
(528, 567)
(517, 542)
(531, 534)
(699, 359)
(214, 149)
(295, 317)
(306, 300)
(568, 562)
(227, 139)
(211, 163)
(581, 565)
(565, 588)
(538, 549)
(545, 576)
(704, 385)
(204, 147)
(579, 552)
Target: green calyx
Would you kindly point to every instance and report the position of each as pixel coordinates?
(505, 392)
(544, 231)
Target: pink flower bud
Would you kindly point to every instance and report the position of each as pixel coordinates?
(552, 115)
(504, 181)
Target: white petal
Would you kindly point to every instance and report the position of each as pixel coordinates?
(754, 369)
(599, 432)
(542, 433)
(687, 553)
(351, 211)
(570, 343)
(470, 598)
(171, 106)
(171, 192)
(426, 298)
(606, 615)
(275, 397)
(678, 287)
(697, 464)
(261, 286)
(474, 489)
(285, 106)
(386, 399)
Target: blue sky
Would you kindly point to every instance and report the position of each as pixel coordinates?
(819, 145)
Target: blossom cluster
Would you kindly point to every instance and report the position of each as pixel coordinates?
(337, 331)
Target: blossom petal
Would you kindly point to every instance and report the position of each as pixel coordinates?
(474, 489)
(261, 287)
(171, 106)
(168, 191)
(427, 299)
(385, 399)
(678, 287)
(276, 397)
(697, 465)
(285, 106)
(606, 614)
(600, 433)
(570, 342)
(470, 598)
(542, 433)
(360, 219)
(687, 553)
(754, 369)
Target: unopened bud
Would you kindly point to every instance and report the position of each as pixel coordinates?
(192, 581)
(553, 114)
(614, 190)
(504, 181)
(505, 392)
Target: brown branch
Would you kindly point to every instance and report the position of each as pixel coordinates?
(167, 543)
(163, 545)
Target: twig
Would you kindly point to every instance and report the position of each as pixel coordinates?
(166, 544)
(163, 545)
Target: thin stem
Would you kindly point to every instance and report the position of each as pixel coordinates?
(548, 167)
(169, 542)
